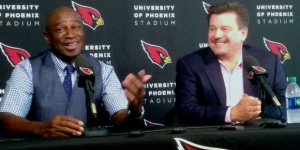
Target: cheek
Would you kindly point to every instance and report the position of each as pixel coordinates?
(235, 37)
(56, 41)
(209, 35)
(56, 37)
(80, 32)
(82, 35)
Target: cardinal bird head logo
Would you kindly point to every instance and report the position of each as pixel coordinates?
(14, 55)
(87, 71)
(156, 54)
(206, 6)
(183, 144)
(259, 69)
(90, 16)
(151, 124)
(277, 48)
(250, 75)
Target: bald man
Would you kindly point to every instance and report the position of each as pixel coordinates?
(35, 101)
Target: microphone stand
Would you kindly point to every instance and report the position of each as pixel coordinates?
(92, 128)
(265, 121)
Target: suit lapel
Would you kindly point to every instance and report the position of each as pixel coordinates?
(214, 75)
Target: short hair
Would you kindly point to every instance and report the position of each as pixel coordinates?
(239, 9)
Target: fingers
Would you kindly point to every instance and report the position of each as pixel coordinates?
(133, 82)
(254, 105)
(134, 89)
(63, 126)
(250, 100)
(134, 85)
(130, 96)
(248, 107)
(72, 125)
(141, 73)
(143, 76)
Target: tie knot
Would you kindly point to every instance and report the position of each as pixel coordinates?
(70, 69)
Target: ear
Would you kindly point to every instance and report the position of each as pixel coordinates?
(46, 37)
(244, 33)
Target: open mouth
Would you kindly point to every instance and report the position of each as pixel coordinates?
(220, 41)
(71, 46)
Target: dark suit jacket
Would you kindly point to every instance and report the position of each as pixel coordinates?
(200, 89)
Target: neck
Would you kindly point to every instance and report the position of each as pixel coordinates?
(231, 60)
(66, 59)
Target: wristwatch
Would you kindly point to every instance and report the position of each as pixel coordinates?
(141, 114)
(138, 116)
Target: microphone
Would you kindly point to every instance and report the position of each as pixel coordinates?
(85, 70)
(86, 80)
(257, 75)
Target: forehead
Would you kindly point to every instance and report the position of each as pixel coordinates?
(228, 18)
(63, 15)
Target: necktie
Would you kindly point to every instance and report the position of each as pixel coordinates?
(67, 81)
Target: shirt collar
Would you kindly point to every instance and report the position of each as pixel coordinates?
(59, 64)
(239, 62)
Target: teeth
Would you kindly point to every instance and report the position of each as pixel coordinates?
(71, 44)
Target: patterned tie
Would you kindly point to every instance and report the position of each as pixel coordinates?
(68, 82)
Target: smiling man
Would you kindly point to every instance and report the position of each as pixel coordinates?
(211, 83)
(35, 100)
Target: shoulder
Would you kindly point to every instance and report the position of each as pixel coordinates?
(263, 56)
(198, 57)
(22, 69)
(23, 65)
(200, 53)
(252, 50)
(39, 55)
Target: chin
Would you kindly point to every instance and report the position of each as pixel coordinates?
(75, 51)
(220, 52)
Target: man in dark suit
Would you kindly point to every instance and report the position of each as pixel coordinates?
(212, 87)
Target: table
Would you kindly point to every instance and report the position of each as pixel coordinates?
(163, 138)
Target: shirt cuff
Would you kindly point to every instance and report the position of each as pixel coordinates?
(227, 117)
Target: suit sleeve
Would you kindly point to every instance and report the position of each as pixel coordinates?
(279, 85)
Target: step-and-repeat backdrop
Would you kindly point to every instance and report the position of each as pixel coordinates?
(146, 34)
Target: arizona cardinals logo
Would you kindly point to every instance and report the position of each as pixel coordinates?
(205, 6)
(87, 71)
(151, 124)
(14, 55)
(90, 16)
(156, 54)
(259, 69)
(183, 144)
(277, 48)
(250, 75)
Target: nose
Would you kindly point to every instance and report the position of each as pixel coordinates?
(70, 33)
(218, 33)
